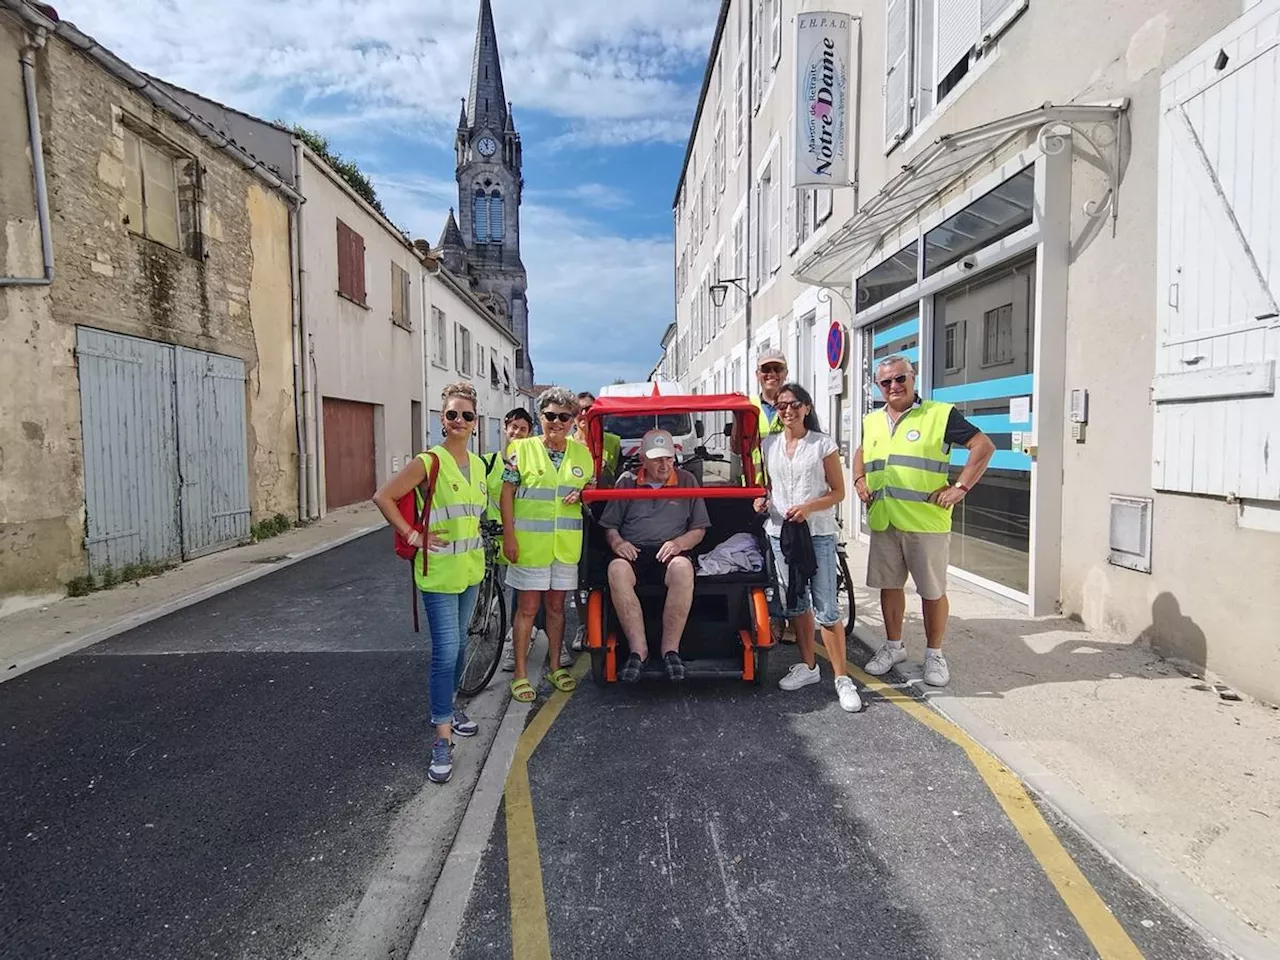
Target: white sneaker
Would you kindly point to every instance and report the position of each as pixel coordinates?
(886, 659)
(936, 673)
(566, 655)
(800, 676)
(848, 694)
(509, 658)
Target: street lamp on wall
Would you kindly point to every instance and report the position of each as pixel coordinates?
(720, 289)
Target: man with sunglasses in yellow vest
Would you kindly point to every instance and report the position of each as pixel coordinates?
(900, 472)
(542, 530)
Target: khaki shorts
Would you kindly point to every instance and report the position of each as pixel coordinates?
(925, 556)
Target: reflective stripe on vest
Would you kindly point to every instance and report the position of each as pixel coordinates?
(904, 465)
(548, 529)
(457, 505)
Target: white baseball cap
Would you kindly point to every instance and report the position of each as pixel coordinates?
(657, 443)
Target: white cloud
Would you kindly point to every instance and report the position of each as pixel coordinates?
(405, 63)
(598, 302)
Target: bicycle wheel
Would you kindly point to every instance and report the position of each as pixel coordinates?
(844, 593)
(485, 636)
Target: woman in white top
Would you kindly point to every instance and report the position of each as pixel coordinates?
(806, 481)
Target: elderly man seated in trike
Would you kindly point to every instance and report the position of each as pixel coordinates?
(650, 539)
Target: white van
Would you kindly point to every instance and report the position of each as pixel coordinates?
(686, 432)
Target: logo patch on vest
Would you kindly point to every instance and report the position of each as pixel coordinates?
(455, 488)
(913, 435)
(577, 472)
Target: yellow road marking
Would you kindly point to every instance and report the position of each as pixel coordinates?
(530, 939)
(1095, 918)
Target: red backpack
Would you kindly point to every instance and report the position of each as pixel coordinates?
(408, 506)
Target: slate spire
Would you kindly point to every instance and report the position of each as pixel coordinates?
(487, 99)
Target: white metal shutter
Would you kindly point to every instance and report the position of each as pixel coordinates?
(897, 81)
(959, 30)
(1218, 267)
(775, 33)
(753, 237)
(998, 14)
(775, 212)
(790, 225)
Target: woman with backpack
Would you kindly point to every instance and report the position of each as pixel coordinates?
(448, 483)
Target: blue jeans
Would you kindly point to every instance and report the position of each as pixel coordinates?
(821, 597)
(448, 616)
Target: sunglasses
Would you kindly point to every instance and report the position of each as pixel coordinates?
(466, 415)
(773, 368)
(783, 405)
(900, 378)
(562, 417)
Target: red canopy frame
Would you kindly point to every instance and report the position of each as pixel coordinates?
(746, 415)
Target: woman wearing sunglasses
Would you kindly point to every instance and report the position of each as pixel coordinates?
(450, 564)
(806, 481)
(542, 530)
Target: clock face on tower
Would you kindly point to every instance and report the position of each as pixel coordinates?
(487, 146)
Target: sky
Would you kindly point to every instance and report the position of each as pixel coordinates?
(603, 95)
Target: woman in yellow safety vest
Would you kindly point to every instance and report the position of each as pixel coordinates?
(450, 564)
(542, 530)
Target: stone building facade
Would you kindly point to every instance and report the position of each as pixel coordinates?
(172, 261)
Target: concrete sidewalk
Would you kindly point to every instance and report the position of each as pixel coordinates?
(33, 637)
(1178, 784)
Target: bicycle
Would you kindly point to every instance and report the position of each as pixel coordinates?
(844, 585)
(488, 628)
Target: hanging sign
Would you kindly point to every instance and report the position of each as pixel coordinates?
(822, 99)
(835, 345)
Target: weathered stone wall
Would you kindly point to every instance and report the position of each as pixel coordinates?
(234, 299)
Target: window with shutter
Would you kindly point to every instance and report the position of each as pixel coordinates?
(753, 239)
(400, 315)
(757, 47)
(897, 82)
(959, 31)
(1217, 337)
(824, 203)
(350, 264)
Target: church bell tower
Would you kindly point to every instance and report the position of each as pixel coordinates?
(490, 186)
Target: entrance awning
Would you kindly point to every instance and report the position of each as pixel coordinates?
(942, 165)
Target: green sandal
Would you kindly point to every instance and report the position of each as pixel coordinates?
(522, 691)
(563, 680)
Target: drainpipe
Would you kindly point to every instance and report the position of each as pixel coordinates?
(28, 61)
(306, 350)
(299, 420)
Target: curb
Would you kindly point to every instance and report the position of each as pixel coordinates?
(1224, 929)
(159, 610)
(437, 934)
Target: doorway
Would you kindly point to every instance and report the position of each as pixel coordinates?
(983, 350)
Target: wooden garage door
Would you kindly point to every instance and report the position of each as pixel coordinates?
(348, 452)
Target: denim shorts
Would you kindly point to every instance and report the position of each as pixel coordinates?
(821, 598)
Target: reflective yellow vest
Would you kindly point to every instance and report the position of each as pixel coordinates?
(546, 527)
(905, 464)
(612, 452)
(768, 426)
(493, 485)
(456, 508)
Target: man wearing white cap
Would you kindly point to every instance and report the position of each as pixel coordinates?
(651, 539)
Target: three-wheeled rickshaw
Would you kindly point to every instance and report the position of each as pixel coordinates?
(727, 633)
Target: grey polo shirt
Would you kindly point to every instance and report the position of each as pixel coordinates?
(651, 523)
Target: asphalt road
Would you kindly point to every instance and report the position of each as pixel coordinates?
(239, 779)
(718, 820)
